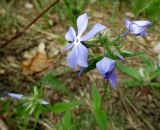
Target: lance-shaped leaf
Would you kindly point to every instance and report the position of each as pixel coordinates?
(129, 71)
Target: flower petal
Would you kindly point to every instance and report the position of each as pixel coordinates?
(68, 46)
(107, 64)
(82, 23)
(142, 23)
(43, 102)
(127, 23)
(72, 58)
(82, 55)
(135, 29)
(113, 79)
(96, 28)
(98, 66)
(15, 95)
(71, 34)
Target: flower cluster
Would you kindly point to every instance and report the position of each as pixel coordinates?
(78, 55)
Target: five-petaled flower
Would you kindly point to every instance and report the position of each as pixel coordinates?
(106, 68)
(79, 53)
(137, 28)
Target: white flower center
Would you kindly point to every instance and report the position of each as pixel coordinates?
(76, 41)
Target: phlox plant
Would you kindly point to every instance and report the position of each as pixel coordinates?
(35, 106)
(83, 54)
(112, 50)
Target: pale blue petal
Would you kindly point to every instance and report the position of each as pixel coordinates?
(15, 95)
(82, 55)
(68, 46)
(127, 23)
(142, 23)
(113, 79)
(98, 66)
(82, 23)
(71, 34)
(107, 64)
(43, 102)
(72, 58)
(96, 28)
(135, 29)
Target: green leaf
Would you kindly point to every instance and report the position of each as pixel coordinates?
(110, 54)
(127, 54)
(36, 114)
(51, 80)
(155, 84)
(64, 106)
(132, 83)
(155, 74)
(129, 71)
(101, 120)
(96, 98)
(67, 122)
(147, 61)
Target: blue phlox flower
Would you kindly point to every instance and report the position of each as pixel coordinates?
(106, 68)
(79, 53)
(137, 27)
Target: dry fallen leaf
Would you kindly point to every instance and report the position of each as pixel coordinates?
(37, 63)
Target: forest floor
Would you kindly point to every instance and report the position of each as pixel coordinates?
(24, 61)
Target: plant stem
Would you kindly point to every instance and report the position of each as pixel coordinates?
(30, 24)
(103, 96)
(102, 101)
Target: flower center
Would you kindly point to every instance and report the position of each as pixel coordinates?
(76, 42)
(107, 75)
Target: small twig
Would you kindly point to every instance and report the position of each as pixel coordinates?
(3, 126)
(30, 24)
